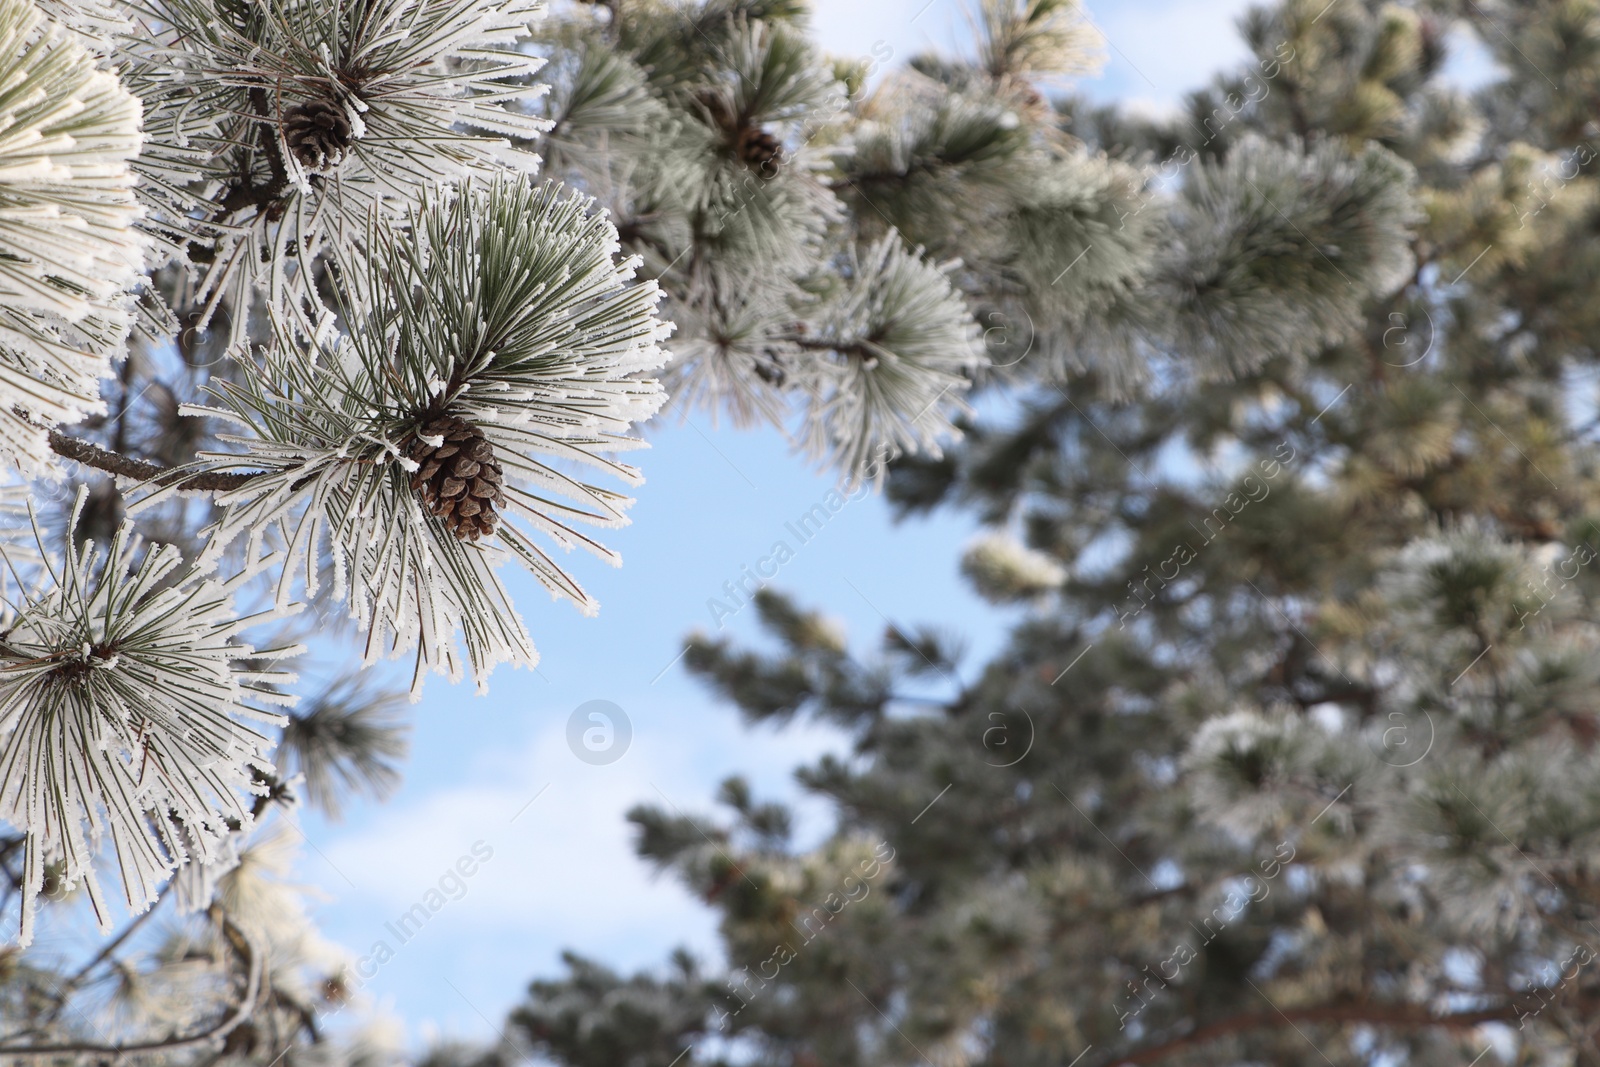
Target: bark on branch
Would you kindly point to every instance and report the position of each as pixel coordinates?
(92, 455)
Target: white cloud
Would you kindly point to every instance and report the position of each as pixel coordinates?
(1155, 109)
(851, 27)
(563, 873)
(564, 864)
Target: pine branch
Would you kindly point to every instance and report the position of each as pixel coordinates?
(857, 349)
(92, 455)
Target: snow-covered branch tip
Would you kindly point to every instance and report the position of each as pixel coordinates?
(69, 251)
(126, 692)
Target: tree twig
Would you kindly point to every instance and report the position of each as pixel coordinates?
(92, 455)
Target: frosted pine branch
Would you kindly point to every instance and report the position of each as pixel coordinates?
(277, 128)
(68, 249)
(504, 309)
(125, 712)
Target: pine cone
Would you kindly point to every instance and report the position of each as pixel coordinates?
(761, 152)
(459, 480)
(319, 133)
(758, 149)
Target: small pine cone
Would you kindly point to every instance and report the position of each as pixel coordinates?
(319, 133)
(761, 152)
(459, 480)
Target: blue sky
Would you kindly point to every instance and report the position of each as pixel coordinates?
(562, 872)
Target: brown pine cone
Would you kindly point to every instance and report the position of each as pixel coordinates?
(459, 480)
(755, 147)
(319, 133)
(761, 152)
